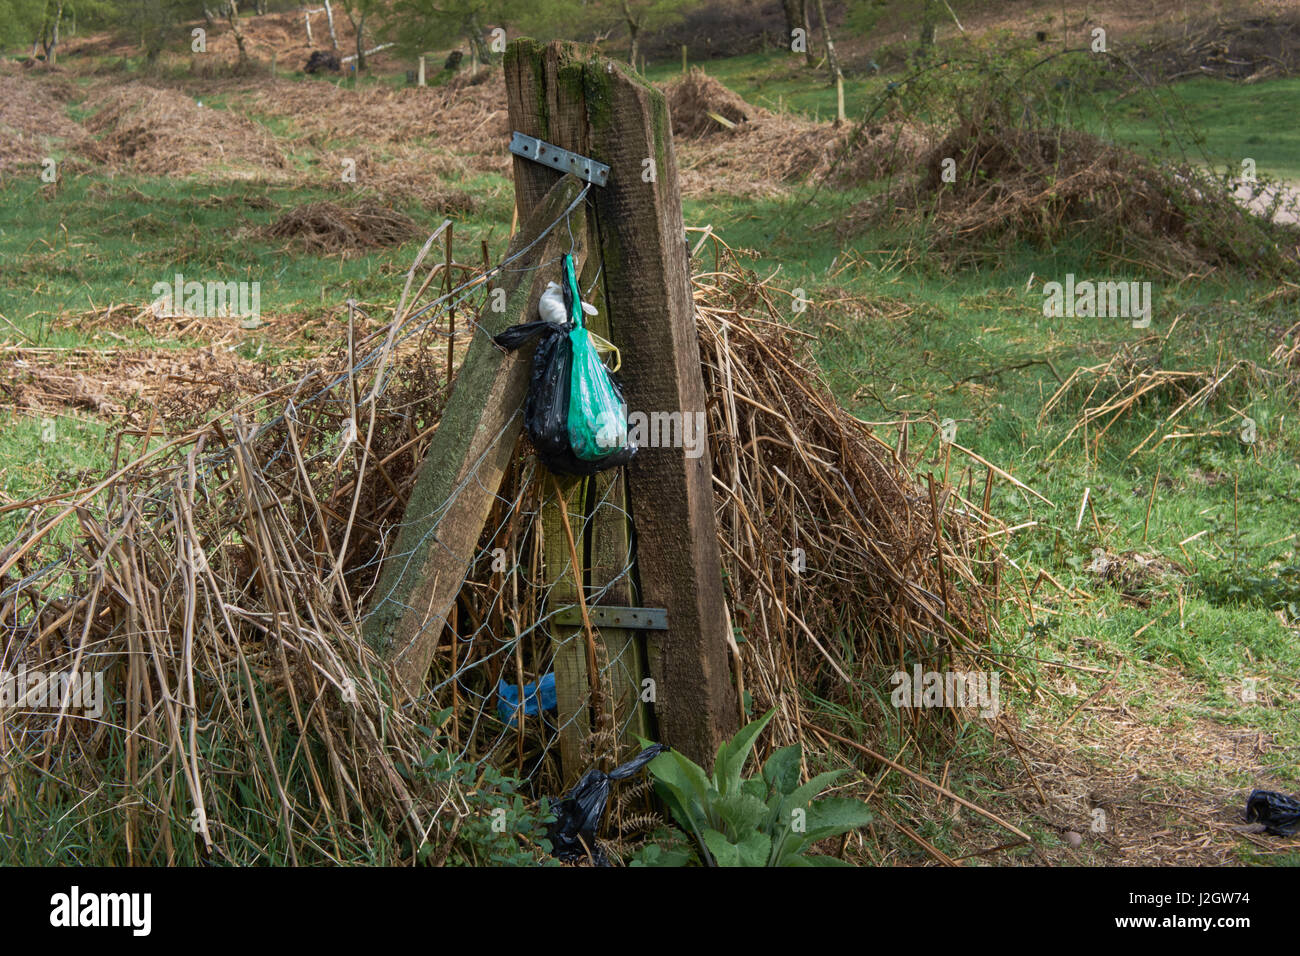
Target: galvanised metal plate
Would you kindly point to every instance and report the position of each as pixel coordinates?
(530, 147)
(636, 618)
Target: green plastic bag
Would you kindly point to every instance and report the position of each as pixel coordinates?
(597, 417)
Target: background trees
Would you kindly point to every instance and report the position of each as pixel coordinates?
(20, 20)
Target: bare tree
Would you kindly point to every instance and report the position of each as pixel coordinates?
(644, 16)
(358, 11)
(796, 18)
(50, 31)
(329, 17)
(929, 23)
(833, 61)
(232, 18)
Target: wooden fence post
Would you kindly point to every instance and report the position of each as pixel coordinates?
(611, 546)
(599, 109)
(639, 274)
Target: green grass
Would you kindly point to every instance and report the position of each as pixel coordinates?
(1232, 122)
(102, 242)
(44, 454)
(976, 348)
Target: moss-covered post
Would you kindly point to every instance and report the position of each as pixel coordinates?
(596, 107)
(551, 109)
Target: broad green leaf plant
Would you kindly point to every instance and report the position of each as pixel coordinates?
(768, 820)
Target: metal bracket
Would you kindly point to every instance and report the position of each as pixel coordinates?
(636, 618)
(585, 168)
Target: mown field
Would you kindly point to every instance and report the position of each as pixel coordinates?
(1153, 626)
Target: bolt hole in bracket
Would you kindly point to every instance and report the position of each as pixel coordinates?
(633, 618)
(585, 168)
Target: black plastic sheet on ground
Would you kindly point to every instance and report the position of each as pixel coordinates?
(1279, 813)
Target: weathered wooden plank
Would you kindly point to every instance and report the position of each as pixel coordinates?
(609, 544)
(645, 275)
(467, 458)
(651, 311)
(624, 648)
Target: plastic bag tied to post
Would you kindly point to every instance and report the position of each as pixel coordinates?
(557, 409)
(597, 416)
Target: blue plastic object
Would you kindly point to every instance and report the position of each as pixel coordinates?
(508, 698)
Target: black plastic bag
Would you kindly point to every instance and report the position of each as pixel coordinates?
(546, 413)
(1279, 813)
(578, 816)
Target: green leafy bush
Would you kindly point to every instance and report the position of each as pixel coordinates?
(503, 829)
(768, 820)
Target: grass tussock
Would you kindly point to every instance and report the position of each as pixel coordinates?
(327, 228)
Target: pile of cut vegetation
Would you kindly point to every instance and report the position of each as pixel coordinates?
(725, 144)
(768, 155)
(324, 227)
(310, 330)
(407, 174)
(219, 581)
(1248, 49)
(33, 117)
(162, 132)
(107, 381)
(700, 105)
(894, 563)
(992, 182)
(466, 117)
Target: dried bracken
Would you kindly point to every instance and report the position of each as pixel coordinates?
(160, 131)
(994, 181)
(727, 145)
(324, 227)
(32, 118)
(843, 564)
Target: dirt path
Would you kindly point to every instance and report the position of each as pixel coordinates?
(1143, 778)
